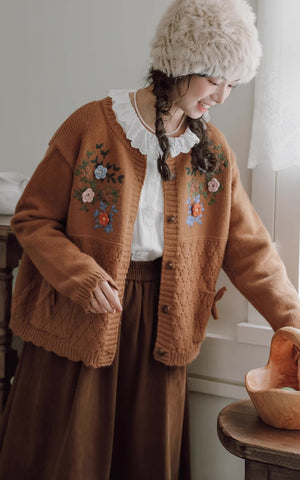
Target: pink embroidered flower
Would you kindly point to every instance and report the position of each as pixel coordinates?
(196, 209)
(88, 195)
(213, 185)
(103, 219)
(194, 188)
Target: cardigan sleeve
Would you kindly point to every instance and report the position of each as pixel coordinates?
(253, 264)
(39, 225)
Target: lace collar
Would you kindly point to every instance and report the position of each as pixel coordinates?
(138, 135)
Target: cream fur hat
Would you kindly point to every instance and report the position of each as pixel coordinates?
(215, 38)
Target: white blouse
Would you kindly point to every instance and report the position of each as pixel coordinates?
(148, 233)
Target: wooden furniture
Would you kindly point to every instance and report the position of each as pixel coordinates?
(269, 453)
(10, 253)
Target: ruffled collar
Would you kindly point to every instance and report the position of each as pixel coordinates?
(139, 136)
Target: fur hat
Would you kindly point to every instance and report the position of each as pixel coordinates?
(215, 38)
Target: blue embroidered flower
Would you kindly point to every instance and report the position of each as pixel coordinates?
(104, 219)
(195, 211)
(100, 172)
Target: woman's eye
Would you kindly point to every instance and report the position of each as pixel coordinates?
(213, 83)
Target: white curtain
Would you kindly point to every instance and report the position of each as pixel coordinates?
(275, 136)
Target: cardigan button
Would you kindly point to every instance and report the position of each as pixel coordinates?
(161, 352)
(165, 309)
(170, 266)
(171, 219)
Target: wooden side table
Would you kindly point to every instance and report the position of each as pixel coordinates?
(10, 254)
(269, 453)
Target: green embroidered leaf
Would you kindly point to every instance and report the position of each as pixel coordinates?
(120, 178)
(84, 208)
(188, 170)
(103, 153)
(89, 154)
(116, 168)
(99, 146)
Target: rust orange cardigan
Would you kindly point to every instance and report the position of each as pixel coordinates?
(75, 222)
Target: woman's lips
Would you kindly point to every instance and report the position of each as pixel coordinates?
(203, 107)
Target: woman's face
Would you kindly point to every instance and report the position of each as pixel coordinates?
(198, 94)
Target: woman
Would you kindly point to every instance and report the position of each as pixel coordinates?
(125, 226)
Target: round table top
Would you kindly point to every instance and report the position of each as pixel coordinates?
(244, 434)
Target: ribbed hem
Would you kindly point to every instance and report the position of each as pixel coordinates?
(63, 346)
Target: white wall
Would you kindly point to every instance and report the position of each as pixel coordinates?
(59, 54)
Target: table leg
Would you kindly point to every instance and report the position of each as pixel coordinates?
(256, 470)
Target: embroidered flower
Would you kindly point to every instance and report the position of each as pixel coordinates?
(194, 188)
(100, 172)
(213, 185)
(196, 209)
(103, 219)
(104, 193)
(88, 195)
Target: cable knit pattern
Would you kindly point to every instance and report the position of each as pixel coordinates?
(66, 255)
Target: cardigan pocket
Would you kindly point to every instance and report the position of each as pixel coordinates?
(54, 313)
(205, 302)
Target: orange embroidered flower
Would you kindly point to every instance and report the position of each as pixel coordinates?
(196, 209)
(103, 219)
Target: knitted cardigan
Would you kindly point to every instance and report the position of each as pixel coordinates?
(75, 222)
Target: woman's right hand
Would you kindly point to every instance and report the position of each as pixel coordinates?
(105, 299)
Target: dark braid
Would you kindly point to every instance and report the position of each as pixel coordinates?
(202, 156)
(162, 88)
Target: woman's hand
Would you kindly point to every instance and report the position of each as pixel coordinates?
(105, 299)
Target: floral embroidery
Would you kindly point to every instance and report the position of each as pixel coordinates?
(206, 187)
(197, 209)
(104, 219)
(100, 172)
(213, 185)
(194, 211)
(99, 179)
(88, 195)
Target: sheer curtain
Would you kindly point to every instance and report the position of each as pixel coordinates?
(276, 118)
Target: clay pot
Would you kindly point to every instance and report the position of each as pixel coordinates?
(276, 406)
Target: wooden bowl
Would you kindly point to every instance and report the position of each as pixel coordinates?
(276, 406)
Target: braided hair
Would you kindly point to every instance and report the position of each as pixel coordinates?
(202, 156)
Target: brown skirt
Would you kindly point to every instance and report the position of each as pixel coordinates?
(129, 421)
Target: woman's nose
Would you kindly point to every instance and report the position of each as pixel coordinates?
(220, 95)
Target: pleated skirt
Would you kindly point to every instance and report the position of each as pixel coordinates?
(128, 421)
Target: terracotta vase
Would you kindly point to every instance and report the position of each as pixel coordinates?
(274, 389)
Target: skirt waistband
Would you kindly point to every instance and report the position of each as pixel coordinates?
(144, 270)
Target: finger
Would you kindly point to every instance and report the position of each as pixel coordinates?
(95, 307)
(100, 298)
(112, 295)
